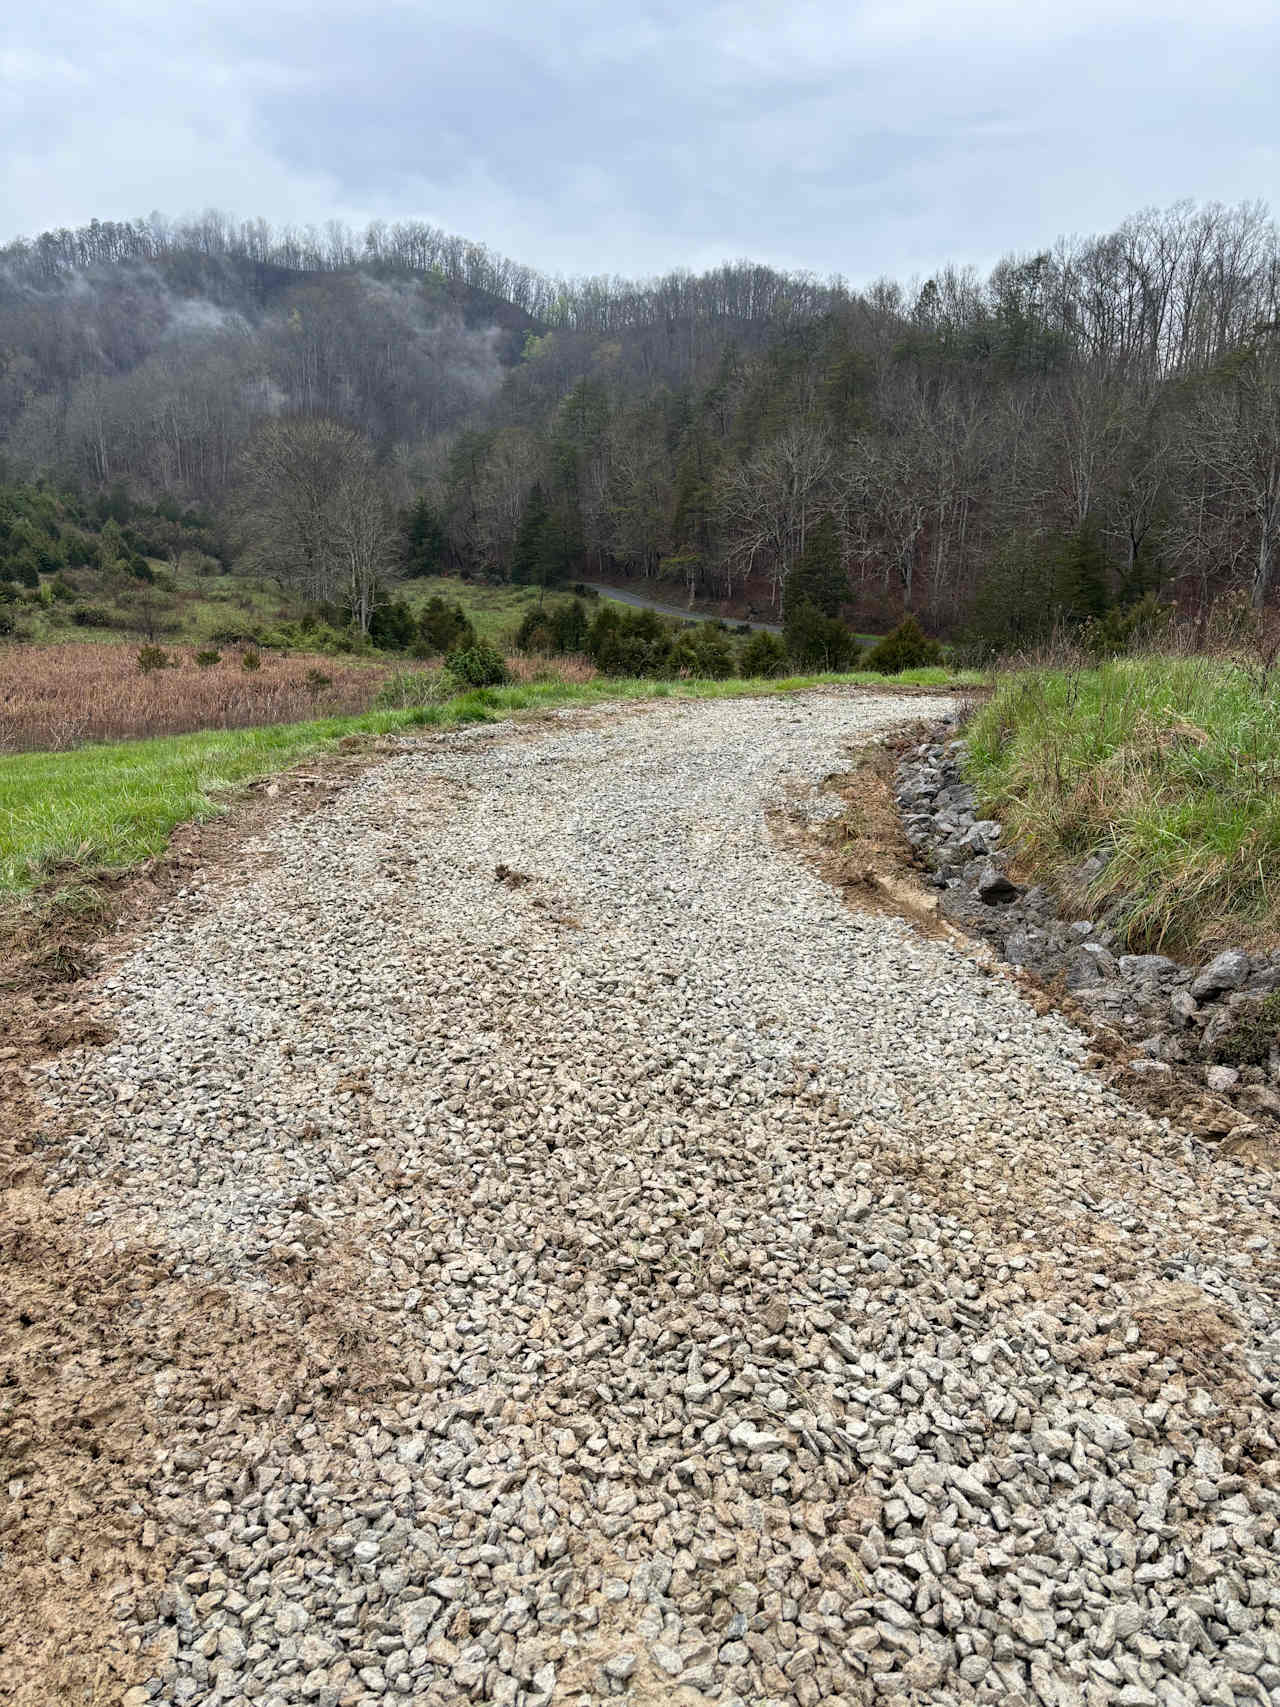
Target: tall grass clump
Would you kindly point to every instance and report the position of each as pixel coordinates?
(1168, 766)
(407, 690)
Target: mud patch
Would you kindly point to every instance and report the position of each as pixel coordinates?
(106, 1351)
(862, 851)
(1178, 1323)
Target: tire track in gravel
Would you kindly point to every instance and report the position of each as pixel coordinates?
(635, 1275)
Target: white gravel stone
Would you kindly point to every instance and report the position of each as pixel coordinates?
(794, 1317)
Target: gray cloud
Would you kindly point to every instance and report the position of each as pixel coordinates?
(877, 136)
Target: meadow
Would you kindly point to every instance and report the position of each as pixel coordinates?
(493, 611)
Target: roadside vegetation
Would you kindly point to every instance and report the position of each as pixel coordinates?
(1166, 766)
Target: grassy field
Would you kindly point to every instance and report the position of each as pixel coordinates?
(1170, 764)
(185, 609)
(180, 608)
(494, 612)
(108, 807)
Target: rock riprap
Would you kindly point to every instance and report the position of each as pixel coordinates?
(1217, 1022)
(741, 1299)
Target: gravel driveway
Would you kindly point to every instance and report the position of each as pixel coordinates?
(750, 1300)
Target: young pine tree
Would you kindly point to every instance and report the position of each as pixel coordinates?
(533, 542)
(818, 577)
(422, 541)
(1082, 592)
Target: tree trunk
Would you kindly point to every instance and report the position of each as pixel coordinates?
(1262, 574)
(1269, 512)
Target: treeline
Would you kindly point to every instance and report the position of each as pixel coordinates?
(188, 252)
(1079, 430)
(126, 376)
(179, 246)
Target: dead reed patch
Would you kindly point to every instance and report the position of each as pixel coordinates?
(53, 698)
(56, 697)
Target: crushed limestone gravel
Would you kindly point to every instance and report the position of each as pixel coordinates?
(772, 1308)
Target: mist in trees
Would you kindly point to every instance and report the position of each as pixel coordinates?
(1080, 429)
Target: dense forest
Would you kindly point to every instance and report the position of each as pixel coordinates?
(1081, 429)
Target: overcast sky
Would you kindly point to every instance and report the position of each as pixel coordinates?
(854, 137)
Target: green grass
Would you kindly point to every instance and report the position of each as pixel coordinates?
(189, 612)
(1172, 764)
(494, 612)
(109, 807)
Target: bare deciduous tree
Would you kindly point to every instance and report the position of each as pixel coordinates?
(314, 514)
(1231, 438)
(768, 504)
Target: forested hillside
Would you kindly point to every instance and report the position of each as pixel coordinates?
(1079, 429)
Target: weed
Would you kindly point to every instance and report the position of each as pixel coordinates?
(408, 689)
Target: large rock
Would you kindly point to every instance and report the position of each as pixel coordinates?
(1088, 965)
(1147, 968)
(983, 836)
(994, 887)
(1226, 971)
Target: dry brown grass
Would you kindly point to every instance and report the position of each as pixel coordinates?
(571, 667)
(55, 697)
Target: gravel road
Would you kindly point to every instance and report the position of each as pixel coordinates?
(742, 1299)
(638, 601)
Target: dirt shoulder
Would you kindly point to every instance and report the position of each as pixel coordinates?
(104, 1341)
